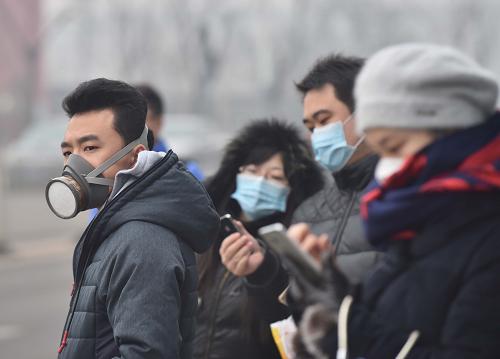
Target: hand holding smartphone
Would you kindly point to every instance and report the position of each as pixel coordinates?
(299, 262)
(227, 226)
(241, 255)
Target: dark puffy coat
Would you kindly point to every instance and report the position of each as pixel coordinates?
(135, 272)
(445, 283)
(232, 321)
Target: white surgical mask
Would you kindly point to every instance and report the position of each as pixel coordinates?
(388, 166)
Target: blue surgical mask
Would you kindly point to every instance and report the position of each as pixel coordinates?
(259, 197)
(330, 146)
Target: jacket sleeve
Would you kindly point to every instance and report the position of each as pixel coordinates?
(265, 285)
(471, 329)
(142, 293)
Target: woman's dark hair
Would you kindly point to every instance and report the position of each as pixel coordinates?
(336, 70)
(128, 105)
(255, 144)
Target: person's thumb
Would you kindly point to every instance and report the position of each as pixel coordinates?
(298, 232)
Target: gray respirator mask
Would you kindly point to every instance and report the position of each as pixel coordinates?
(81, 186)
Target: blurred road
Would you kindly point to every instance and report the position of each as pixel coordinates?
(35, 275)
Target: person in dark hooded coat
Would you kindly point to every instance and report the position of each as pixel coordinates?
(266, 172)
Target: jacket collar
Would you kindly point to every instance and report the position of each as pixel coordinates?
(355, 177)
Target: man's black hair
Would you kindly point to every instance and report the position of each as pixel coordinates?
(155, 103)
(128, 105)
(337, 70)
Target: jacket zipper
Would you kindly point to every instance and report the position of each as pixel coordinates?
(211, 327)
(343, 222)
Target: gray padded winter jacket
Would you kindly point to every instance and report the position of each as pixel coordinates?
(134, 269)
(335, 211)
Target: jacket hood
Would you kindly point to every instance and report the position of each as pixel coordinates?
(166, 194)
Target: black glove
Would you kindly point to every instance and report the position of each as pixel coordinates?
(318, 304)
(329, 291)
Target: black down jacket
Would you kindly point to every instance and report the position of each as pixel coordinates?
(445, 283)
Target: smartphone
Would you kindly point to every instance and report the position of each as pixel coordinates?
(299, 261)
(227, 226)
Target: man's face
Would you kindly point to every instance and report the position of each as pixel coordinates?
(93, 136)
(322, 107)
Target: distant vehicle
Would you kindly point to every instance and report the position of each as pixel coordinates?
(35, 157)
(196, 138)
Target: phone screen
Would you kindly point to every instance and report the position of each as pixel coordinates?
(276, 237)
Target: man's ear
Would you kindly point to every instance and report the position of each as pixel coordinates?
(135, 153)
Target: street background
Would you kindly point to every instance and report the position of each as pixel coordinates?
(218, 64)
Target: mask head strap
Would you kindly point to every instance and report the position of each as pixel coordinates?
(348, 119)
(362, 138)
(92, 176)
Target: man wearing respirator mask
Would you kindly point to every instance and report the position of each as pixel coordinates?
(128, 259)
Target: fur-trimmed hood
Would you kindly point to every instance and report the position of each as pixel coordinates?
(302, 171)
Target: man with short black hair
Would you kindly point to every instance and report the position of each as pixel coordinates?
(329, 113)
(134, 267)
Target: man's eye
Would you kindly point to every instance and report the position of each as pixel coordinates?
(89, 148)
(66, 154)
(323, 121)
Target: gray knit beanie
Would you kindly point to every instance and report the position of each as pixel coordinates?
(423, 86)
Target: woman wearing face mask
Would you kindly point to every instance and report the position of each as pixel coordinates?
(266, 172)
(429, 112)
